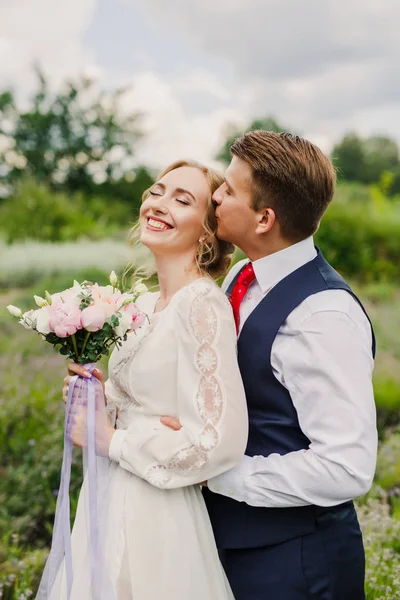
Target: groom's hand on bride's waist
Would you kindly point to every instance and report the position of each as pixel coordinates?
(175, 424)
(171, 422)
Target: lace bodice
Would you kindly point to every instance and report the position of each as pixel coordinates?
(182, 363)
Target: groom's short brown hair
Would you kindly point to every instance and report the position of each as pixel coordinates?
(290, 175)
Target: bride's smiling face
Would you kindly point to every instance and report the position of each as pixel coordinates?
(172, 217)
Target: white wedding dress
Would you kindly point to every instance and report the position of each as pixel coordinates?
(159, 541)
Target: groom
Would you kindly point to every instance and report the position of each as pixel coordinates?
(284, 519)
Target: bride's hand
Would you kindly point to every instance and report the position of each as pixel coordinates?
(74, 369)
(103, 427)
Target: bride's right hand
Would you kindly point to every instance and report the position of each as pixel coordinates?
(75, 369)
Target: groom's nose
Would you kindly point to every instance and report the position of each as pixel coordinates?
(217, 196)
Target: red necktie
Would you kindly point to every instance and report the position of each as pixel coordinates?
(245, 278)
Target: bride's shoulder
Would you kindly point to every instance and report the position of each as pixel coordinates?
(203, 292)
(202, 309)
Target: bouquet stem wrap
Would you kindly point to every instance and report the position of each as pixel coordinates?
(86, 398)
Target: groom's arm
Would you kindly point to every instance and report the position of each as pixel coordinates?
(326, 365)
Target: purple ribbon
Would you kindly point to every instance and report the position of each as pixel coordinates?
(61, 542)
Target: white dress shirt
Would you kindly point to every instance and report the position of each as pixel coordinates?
(322, 355)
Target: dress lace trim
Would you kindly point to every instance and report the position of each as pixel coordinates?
(204, 330)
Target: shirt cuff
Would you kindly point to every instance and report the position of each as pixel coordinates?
(115, 449)
(232, 482)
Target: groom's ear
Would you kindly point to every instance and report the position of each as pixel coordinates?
(265, 220)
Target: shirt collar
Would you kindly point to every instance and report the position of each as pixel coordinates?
(271, 269)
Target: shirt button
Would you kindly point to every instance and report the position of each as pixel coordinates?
(217, 488)
(249, 296)
(231, 491)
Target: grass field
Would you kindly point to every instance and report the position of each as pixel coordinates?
(31, 422)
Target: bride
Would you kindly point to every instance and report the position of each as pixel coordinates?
(182, 362)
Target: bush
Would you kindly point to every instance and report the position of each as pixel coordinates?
(387, 400)
(21, 572)
(388, 464)
(31, 435)
(381, 533)
(352, 192)
(362, 239)
(36, 212)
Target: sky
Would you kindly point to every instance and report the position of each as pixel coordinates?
(195, 67)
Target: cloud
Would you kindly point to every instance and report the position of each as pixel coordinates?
(320, 68)
(281, 39)
(44, 32)
(315, 65)
(171, 130)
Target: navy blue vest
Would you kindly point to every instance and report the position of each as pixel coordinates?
(274, 426)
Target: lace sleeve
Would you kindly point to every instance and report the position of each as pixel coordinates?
(201, 336)
(210, 399)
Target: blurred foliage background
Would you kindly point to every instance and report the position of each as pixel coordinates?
(70, 188)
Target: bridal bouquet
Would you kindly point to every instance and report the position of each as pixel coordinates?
(83, 321)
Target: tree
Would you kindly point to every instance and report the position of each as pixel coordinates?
(232, 132)
(74, 140)
(349, 158)
(381, 154)
(366, 160)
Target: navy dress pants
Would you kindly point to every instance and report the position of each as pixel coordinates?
(328, 564)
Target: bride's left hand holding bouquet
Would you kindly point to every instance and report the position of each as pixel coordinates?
(83, 322)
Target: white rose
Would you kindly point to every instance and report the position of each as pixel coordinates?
(42, 320)
(28, 319)
(68, 295)
(14, 310)
(124, 325)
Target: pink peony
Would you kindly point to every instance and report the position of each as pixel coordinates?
(65, 318)
(93, 317)
(107, 305)
(138, 317)
(106, 298)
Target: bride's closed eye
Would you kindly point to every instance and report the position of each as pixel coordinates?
(154, 193)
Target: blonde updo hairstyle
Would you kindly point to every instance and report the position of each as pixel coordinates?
(213, 255)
